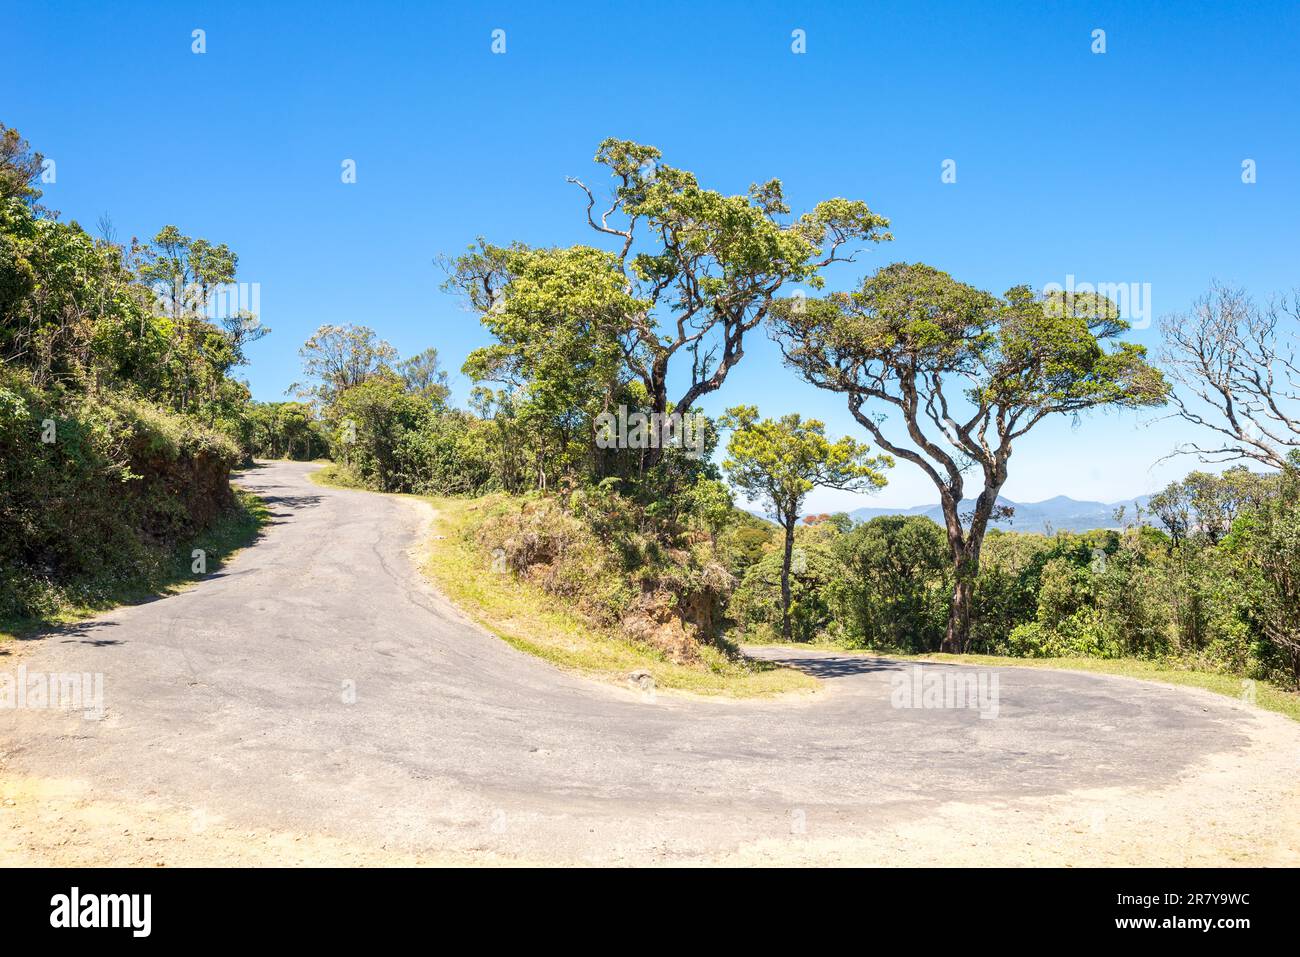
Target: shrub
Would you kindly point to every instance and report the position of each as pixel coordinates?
(755, 605)
(105, 502)
(894, 584)
(600, 551)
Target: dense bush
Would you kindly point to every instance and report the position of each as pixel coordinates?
(447, 455)
(283, 430)
(1266, 543)
(1217, 596)
(756, 603)
(894, 584)
(119, 420)
(613, 562)
(104, 501)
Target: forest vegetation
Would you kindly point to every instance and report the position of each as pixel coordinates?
(121, 419)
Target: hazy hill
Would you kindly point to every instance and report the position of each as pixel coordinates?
(1061, 513)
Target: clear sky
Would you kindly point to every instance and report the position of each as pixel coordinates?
(1124, 166)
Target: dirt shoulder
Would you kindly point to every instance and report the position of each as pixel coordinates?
(55, 823)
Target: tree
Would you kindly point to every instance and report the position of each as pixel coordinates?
(1238, 375)
(962, 374)
(780, 461)
(1208, 504)
(56, 286)
(375, 417)
(697, 269)
(424, 377)
(20, 167)
(756, 600)
(339, 358)
(1270, 540)
(284, 430)
(842, 522)
(557, 316)
(184, 272)
(894, 582)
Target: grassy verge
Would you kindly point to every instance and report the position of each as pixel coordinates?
(1268, 696)
(541, 624)
(336, 476)
(232, 532)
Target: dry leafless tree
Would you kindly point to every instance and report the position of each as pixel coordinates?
(1236, 374)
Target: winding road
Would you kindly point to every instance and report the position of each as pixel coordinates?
(318, 701)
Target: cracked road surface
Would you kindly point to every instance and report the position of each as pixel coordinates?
(317, 701)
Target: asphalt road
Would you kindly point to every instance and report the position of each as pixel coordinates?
(317, 684)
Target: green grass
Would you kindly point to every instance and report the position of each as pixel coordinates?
(232, 532)
(335, 476)
(1268, 696)
(541, 624)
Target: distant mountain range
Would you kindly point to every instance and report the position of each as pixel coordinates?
(1061, 513)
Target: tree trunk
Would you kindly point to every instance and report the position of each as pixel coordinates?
(959, 616)
(785, 581)
(959, 605)
(965, 545)
(658, 388)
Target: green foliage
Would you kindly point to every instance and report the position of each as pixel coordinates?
(450, 454)
(558, 316)
(119, 422)
(580, 331)
(102, 503)
(283, 430)
(757, 603)
(338, 358)
(614, 564)
(779, 461)
(370, 423)
(946, 376)
(20, 166)
(557, 550)
(893, 590)
(707, 266)
(1231, 607)
(424, 376)
(745, 542)
(1266, 542)
(1206, 505)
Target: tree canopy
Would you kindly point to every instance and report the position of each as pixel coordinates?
(692, 271)
(947, 376)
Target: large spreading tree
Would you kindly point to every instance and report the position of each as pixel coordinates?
(697, 269)
(949, 377)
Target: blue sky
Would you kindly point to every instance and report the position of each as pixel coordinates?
(1115, 167)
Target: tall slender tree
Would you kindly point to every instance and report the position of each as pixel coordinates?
(779, 461)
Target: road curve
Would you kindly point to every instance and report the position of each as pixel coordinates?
(317, 685)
